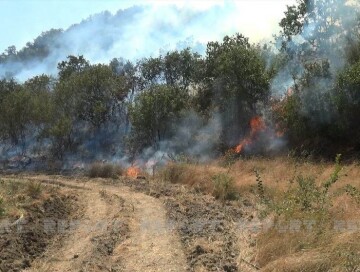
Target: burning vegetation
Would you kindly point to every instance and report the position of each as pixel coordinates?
(133, 172)
(257, 125)
(259, 134)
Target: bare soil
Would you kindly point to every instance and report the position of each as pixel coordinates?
(128, 225)
(113, 229)
(24, 239)
(209, 229)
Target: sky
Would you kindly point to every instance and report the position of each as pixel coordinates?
(24, 20)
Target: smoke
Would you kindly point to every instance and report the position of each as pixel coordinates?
(194, 138)
(133, 33)
(323, 41)
(139, 31)
(145, 31)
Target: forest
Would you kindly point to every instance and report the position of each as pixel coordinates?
(298, 93)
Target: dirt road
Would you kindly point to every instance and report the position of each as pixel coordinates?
(116, 230)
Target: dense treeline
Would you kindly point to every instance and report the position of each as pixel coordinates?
(101, 108)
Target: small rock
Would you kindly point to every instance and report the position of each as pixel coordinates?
(219, 228)
(76, 256)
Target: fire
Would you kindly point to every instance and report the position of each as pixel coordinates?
(133, 172)
(257, 124)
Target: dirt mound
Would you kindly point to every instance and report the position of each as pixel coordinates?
(27, 238)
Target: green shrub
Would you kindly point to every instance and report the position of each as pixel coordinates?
(334, 176)
(307, 196)
(104, 170)
(224, 188)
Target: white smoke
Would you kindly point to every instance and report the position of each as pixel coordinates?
(142, 31)
(330, 44)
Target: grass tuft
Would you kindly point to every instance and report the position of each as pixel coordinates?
(34, 189)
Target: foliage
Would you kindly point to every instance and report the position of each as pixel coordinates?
(15, 115)
(71, 66)
(307, 196)
(237, 76)
(152, 113)
(318, 110)
(39, 49)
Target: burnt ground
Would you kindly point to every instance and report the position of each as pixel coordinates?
(207, 227)
(24, 240)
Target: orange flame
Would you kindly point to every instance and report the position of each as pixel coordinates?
(133, 172)
(257, 124)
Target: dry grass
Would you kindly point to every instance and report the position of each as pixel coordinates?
(104, 170)
(205, 178)
(34, 189)
(322, 248)
(197, 176)
(17, 192)
(280, 248)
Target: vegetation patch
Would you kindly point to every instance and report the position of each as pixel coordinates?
(104, 170)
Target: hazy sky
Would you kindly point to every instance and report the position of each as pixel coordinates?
(24, 20)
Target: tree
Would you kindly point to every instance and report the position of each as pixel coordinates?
(152, 114)
(318, 39)
(180, 68)
(151, 70)
(72, 65)
(347, 100)
(237, 76)
(41, 89)
(15, 114)
(85, 102)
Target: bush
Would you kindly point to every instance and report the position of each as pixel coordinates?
(224, 188)
(34, 189)
(104, 170)
(307, 196)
